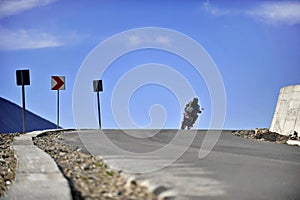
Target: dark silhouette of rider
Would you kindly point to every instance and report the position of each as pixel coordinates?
(196, 109)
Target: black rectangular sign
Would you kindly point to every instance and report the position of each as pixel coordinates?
(97, 85)
(23, 77)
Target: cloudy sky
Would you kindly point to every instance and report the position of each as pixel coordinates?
(255, 46)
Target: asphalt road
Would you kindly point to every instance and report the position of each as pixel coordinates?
(236, 168)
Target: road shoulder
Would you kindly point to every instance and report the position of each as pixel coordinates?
(37, 175)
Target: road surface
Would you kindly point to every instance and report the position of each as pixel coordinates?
(236, 168)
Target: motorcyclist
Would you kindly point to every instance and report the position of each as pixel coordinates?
(195, 109)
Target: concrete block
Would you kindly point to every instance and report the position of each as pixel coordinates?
(286, 118)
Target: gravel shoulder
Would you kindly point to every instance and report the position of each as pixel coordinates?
(89, 177)
(265, 135)
(8, 162)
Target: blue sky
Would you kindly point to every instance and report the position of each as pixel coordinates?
(254, 44)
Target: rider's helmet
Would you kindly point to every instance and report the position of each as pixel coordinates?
(195, 100)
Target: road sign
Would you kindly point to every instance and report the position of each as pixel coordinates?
(97, 85)
(23, 77)
(57, 83)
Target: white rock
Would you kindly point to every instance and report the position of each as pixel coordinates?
(293, 142)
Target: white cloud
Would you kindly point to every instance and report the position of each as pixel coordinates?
(22, 38)
(284, 12)
(163, 40)
(214, 10)
(135, 40)
(141, 39)
(26, 39)
(13, 7)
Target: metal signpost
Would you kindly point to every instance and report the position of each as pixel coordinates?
(58, 83)
(23, 79)
(97, 84)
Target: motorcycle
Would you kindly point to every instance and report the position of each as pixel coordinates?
(188, 119)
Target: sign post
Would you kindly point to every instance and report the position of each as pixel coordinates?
(58, 83)
(57, 118)
(98, 87)
(23, 79)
